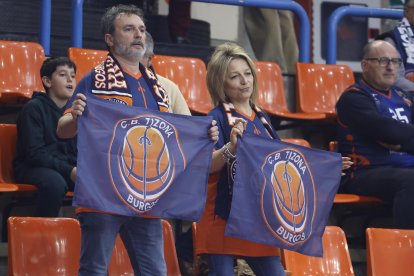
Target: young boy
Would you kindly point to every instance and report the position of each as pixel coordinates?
(42, 158)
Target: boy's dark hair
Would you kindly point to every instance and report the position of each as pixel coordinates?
(49, 65)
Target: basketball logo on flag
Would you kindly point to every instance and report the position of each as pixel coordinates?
(288, 196)
(143, 159)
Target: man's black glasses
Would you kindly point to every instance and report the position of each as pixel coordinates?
(384, 61)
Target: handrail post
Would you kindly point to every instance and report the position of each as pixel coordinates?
(77, 23)
(45, 23)
(339, 13)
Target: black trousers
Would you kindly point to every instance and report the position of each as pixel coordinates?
(52, 187)
(393, 185)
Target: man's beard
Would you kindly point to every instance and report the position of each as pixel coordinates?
(129, 53)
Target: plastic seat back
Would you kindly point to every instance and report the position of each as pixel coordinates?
(8, 136)
(86, 59)
(121, 265)
(271, 89)
(20, 64)
(190, 76)
(319, 86)
(43, 246)
(335, 261)
(170, 252)
(8, 140)
(390, 252)
(272, 96)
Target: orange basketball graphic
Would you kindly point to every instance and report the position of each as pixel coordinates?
(289, 195)
(145, 160)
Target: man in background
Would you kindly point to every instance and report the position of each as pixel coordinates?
(177, 101)
(375, 129)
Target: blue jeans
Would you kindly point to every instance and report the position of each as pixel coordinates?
(142, 238)
(222, 265)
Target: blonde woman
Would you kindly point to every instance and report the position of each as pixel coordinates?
(231, 80)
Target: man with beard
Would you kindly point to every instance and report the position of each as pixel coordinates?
(124, 80)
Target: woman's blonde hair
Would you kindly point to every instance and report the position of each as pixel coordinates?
(217, 71)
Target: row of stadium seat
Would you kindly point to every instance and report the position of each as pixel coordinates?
(40, 246)
(51, 246)
(318, 86)
(389, 252)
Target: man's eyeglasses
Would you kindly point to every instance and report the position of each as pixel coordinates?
(384, 61)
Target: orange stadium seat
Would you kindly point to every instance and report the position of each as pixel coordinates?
(190, 76)
(20, 64)
(8, 188)
(390, 252)
(335, 261)
(85, 60)
(120, 264)
(318, 86)
(8, 138)
(272, 93)
(43, 246)
(353, 198)
(170, 252)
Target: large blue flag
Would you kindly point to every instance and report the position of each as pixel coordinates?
(282, 194)
(135, 161)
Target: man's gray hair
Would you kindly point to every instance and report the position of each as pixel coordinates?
(107, 20)
(149, 44)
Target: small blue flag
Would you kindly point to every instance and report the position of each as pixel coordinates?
(282, 194)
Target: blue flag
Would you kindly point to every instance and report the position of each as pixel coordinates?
(135, 161)
(282, 194)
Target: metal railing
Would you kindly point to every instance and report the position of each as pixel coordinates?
(77, 14)
(45, 24)
(304, 32)
(339, 13)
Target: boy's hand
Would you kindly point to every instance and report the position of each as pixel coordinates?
(78, 105)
